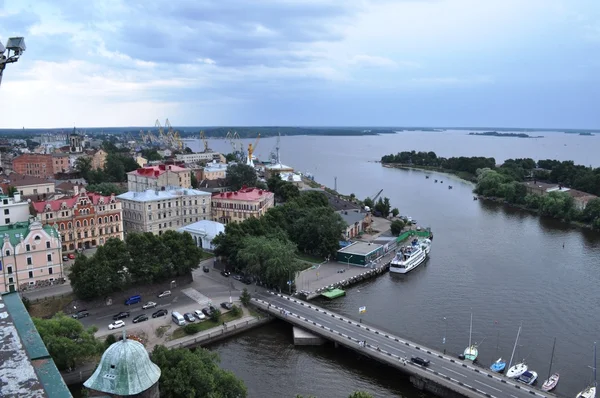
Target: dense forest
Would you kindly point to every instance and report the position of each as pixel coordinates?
(505, 181)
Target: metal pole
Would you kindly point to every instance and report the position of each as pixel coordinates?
(445, 332)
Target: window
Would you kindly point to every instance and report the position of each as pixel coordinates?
(28, 248)
(50, 271)
(9, 269)
(29, 262)
(48, 245)
(159, 205)
(7, 221)
(7, 252)
(149, 207)
(49, 256)
(6, 211)
(78, 224)
(30, 274)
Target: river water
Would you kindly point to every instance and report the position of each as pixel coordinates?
(506, 266)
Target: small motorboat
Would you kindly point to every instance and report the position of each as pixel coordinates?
(435, 181)
(516, 370)
(474, 197)
(498, 366)
(426, 177)
(589, 392)
(441, 182)
(551, 383)
(528, 377)
(449, 186)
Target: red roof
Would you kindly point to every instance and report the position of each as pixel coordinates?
(249, 194)
(155, 171)
(40, 207)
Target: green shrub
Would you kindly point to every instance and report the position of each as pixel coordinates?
(236, 311)
(215, 316)
(192, 328)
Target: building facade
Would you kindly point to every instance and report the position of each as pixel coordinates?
(84, 221)
(37, 165)
(204, 232)
(160, 211)
(31, 256)
(213, 171)
(13, 210)
(357, 221)
(277, 168)
(239, 205)
(157, 177)
(60, 162)
(29, 186)
(99, 159)
(200, 157)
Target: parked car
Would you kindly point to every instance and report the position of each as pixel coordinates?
(71, 256)
(227, 305)
(116, 325)
(158, 313)
(121, 315)
(166, 293)
(65, 258)
(205, 268)
(206, 311)
(149, 304)
(419, 361)
(80, 314)
(237, 277)
(140, 318)
(247, 281)
(188, 316)
(199, 315)
(225, 273)
(211, 309)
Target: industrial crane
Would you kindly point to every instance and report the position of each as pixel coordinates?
(205, 141)
(251, 149)
(377, 196)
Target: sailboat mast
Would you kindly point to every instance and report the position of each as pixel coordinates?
(595, 363)
(470, 330)
(551, 359)
(514, 348)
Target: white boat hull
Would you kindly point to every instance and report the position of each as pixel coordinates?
(471, 353)
(516, 371)
(589, 392)
(403, 267)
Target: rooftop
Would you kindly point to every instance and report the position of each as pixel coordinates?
(278, 166)
(360, 248)
(213, 184)
(156, 171)
(19, 180)
(26, 368)
(20, 230)
(204, 227)
(211, 167)
(290, 177)
(351, 217)
(249, 194)
(70, 202)
(151, 195)
(335, 202)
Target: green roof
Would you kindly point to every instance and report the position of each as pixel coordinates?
(21, 229)
(125, 369)
(26, 367)
(333, 293)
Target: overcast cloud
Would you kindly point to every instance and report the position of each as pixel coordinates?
(521, 63)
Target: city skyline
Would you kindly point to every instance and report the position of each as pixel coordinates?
(504, 63)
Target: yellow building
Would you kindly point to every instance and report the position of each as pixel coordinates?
(239, 205)
(99, 159)
(142, 161)
(157, 177)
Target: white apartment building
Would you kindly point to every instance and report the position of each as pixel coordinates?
(13, 210)
(157, 177)
(214, 171)
(198, 157)
(159, 211)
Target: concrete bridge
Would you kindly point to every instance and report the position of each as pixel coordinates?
(445, 376)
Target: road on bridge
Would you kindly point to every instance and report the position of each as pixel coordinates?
(446, 368)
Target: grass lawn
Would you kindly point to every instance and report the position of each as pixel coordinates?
(47, 308)
(309, 258)
(206, 255)
(205, 325)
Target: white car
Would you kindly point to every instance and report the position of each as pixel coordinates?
(199, 315)
(149, 304)
(164, 294)
(116, 325)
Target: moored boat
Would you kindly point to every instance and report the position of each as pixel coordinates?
(410, 257)
(590, 391)
(471, 352)
(528, 377)
(498, 366)
(517, 370)
(551, 383)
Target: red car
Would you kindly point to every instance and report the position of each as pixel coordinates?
(71, 256)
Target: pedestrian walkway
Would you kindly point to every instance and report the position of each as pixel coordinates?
(197, 296)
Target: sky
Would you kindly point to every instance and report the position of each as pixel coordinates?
(487, 63)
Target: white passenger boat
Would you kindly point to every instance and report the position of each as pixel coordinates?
(410, 257)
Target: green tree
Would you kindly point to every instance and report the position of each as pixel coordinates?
(245, 297)
(395, 212)
(151, 154)
(68, 343)
(396, 227)
(148, 256)
(368, 202)
(230, 157)
(383, 206)
(194, 180)
(109, 340)
(83, 165)
(591, 211)
(360, 394)
(239, 175)
(215, 316)
(194, 373)
(182, 253)
(105, 188)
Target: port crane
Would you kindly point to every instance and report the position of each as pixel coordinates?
(236, 144)
(205, 141)
(377, 196)
(251, 149)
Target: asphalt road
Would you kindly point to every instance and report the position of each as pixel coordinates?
(471, 377)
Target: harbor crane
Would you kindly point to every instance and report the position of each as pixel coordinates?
(205, 141)
(377, 196)
(237, 145)
(251, 149)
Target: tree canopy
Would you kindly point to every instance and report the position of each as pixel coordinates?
(283, 190)
(106, 188)
(67, 341)
(143, 258)
(239, 175)
(194, 373)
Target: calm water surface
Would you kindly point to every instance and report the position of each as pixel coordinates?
(508, 267)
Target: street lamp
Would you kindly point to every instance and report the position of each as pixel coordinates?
(445, 332)
(348, 259)
(15, 46)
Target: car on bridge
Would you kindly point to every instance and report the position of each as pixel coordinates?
(420, 361)
(158, 313)
(121, 315)
(149, 304)
(116, 325)
(140, 318)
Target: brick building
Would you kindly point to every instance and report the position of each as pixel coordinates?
(157, 177)
(41, 165)
(85, 220)
(239, 205)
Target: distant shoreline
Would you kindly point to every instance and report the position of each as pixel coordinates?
(509, 135)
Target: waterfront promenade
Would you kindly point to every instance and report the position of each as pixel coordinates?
(445, 376)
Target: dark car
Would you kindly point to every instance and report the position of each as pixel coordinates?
(225, 273)
(227, 305)
(206, 311)
(419, 361)
(65, 258)
(237, 277)
(189, 317)
(205, 269)
(80, 314)
(121, 315)
(247, 281)
(140, 318)
(158, 313)
(212, 309)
